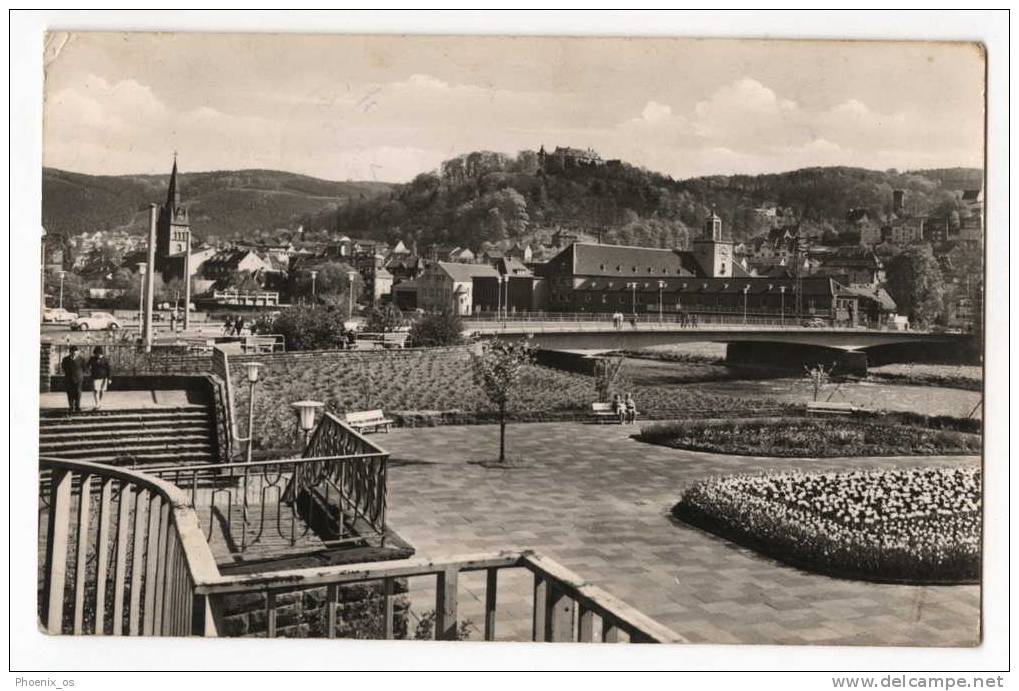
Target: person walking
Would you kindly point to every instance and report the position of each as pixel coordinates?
(74, 374)
(239, 326)
(173, 321)
(228, 325)
(99, 370)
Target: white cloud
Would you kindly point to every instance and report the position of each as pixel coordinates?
(655, 111)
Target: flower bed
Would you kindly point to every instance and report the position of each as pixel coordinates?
(809, 437)
(919, 525)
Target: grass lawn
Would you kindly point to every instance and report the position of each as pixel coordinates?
(917, 525)
(404, 383)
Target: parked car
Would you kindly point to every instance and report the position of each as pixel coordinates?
(95, 321)
(58, 315)
(815, 323)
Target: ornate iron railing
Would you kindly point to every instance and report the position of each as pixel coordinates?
(281, 506)
(361, 486)
(335, 494)
(125, 555)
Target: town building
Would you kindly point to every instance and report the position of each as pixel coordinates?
(515, 289)
(405, 294)
(854, 266)
(642, 280)
(861, 221)
(226, 262)
(904, 231)
(565, 157)
(450, 286)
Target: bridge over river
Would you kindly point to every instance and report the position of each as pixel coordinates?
(749, 343)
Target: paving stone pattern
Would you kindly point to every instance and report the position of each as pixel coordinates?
(598, 502)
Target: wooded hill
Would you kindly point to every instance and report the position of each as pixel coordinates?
(226, 204)
(487, 197)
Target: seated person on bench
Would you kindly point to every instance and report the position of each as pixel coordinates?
(619, 408)
(631, 409)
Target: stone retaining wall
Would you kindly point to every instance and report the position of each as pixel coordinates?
(305, 614)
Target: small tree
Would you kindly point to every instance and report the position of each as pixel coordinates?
(384, 319)
(606, 376)
(443, 329)
(818, 376)
(497, 370)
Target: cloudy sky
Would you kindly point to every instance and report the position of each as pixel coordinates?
(389, 108)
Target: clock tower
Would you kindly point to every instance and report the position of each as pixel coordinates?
(713, 254)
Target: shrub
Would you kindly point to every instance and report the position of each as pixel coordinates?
(919, 525)
(306, 327)
(798, 437)
(384, 319)
(442, 329)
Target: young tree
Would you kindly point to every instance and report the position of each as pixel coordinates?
(443, 329)
(497, 370)
(606, 376)
(818, 375)
(916, 284)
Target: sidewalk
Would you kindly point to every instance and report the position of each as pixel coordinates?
(118, 400)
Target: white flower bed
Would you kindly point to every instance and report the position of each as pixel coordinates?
(916, 525)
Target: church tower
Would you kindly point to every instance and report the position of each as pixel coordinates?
(713, 253)
(172, 230)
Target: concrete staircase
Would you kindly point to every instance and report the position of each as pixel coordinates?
(167, 434)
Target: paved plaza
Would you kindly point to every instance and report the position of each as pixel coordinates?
(599, 502)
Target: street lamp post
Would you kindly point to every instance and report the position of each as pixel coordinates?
(661, 287)
(252, 375)
(781, 290)
(746, 289)
(306, 417)
(498, 298)
(62, 274)
(351, 275)
(633, 302)
(313, 275)
(141, 293)
(504, 281)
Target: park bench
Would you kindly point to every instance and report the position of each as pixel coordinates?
(603, 412)
(368, 420)
(831, 408)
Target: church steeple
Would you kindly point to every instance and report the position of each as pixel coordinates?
(173, 193)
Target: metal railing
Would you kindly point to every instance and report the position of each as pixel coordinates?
(334, 494)
(125, 555)
(126, 360)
